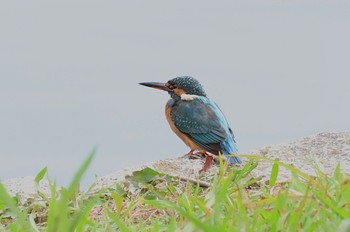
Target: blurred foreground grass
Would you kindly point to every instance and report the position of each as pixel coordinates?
(151, 201)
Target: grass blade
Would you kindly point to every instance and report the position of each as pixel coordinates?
(274, 174)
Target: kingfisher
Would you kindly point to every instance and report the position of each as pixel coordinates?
(197, 120)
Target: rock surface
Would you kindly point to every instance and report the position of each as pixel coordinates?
(25, 189)
(325, 149)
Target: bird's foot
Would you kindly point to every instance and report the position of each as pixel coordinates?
(193, 154)
(207, 164)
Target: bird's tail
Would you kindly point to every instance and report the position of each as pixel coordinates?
(229, 149)
(233, 159)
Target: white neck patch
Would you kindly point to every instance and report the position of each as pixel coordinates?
(188, 97)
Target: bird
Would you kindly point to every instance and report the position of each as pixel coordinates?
(197, 120)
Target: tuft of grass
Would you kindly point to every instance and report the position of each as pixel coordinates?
(151, 201)
(64, 212)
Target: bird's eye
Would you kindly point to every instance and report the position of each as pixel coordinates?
(172, 86)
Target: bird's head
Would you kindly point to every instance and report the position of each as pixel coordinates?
(179, 87)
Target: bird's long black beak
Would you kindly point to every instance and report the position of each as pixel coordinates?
(155, 85)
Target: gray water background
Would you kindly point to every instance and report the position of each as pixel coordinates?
(279, 70)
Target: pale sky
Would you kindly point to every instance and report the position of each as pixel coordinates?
(279, 70)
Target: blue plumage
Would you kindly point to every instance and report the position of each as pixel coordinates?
(203, 122)
(196, 119)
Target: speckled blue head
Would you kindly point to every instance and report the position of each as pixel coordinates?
(178, 86)
(184, 84)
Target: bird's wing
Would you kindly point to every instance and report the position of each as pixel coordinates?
(202, 121)
(230, 130)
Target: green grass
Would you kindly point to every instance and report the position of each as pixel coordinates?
(151, 201)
